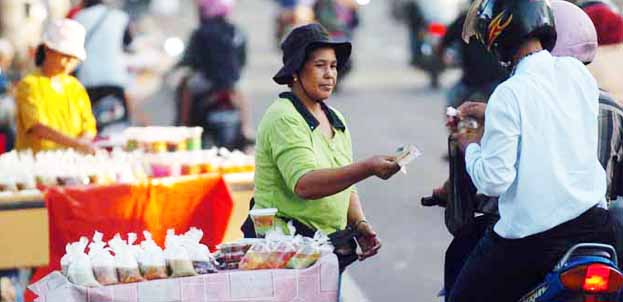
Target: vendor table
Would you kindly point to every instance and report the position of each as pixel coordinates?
(318, 283)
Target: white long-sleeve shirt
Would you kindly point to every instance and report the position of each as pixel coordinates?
(539, 149)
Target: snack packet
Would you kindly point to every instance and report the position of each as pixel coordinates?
(202, 259)
(256, 257)
(151, 259)
(177, 257)
(102, 261)
(80, 271)
(306, 255)
(125, 261)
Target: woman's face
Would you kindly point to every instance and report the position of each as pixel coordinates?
(59, 62)
(319, 73)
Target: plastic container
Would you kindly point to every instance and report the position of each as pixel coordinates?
(263, 220)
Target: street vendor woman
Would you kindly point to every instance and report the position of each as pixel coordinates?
(304, 161)
(53, 108)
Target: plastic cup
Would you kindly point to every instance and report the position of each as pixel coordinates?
(263, 220)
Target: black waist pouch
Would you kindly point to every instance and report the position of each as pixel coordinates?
(343, 241)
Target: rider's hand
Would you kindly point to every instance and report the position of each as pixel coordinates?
(383, 167)
(473, 109)
(369, 243)
(465, 140)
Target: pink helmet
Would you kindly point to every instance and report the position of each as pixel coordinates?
(215, 8)
(576, 33)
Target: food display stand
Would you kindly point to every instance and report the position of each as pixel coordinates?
(318, 283)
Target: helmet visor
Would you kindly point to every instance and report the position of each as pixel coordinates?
(470, 27)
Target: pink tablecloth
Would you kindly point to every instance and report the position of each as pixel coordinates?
(318, 283)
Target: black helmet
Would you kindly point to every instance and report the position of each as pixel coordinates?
(503, 25)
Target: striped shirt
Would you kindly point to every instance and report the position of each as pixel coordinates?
(610, 134)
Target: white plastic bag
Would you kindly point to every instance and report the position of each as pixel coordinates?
(80, 271)
(177, 257)
(125, 261)
(151, 259)
(199, 254)
(102, 261)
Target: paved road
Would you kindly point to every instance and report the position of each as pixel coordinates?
(387, 104)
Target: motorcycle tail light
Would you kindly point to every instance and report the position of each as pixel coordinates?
(437, 29)
(592, 279)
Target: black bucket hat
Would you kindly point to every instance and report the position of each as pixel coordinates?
(298, 43)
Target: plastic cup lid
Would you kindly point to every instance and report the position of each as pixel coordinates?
(263, 212)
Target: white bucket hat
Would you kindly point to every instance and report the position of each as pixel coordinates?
(67, 37)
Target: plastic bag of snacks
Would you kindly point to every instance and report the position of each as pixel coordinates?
(80, 271)
(280, 254)
(66, 259)
(177, 257)
(125, 262)
(102, 261)
(306, 255)
(151, 259)
(256, 257)
(230, 254)
(202, 259)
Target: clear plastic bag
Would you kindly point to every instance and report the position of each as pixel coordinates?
(280, 254)
(202, 260)
(306, 255)
(256, 257)
(66, 259)
(102, 261)
(177, 257)
(125, 261)
(80, 271)
(151, 259)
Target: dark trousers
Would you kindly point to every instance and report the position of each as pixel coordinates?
(461, 247)
(501, 270)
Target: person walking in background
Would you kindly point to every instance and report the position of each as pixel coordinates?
(210, 98)
(104, 73)
(53, 108)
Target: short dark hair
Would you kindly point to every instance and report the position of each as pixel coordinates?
(40, 55)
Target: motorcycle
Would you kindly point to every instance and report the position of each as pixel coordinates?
(588, 272)
(427, 23)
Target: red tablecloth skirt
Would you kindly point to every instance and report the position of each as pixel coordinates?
(202, 201)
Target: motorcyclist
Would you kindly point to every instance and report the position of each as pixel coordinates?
(481, 71)
(340, 18)
(541, 163)
(210, 97)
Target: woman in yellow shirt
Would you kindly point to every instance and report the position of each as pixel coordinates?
(53, 108)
